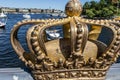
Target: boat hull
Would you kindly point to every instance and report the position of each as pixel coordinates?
(2, 26)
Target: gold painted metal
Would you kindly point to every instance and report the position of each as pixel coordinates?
(95, 31)
(77, 56)
(73, 8)
(117, 18)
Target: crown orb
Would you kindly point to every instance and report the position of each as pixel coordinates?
(73, 8)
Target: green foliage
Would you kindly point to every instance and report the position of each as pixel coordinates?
(0, 10)
(106, 12)
(90, 13)
(101, 9)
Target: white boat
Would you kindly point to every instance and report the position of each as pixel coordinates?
(54, 14)
(2, 15)
(52, 34)
(2, 25)
(26, 16)
(3, 20)
(58, 15)
(62, 15)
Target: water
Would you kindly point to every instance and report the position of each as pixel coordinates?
(8, 57)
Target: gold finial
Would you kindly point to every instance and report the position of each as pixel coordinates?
(73, 8)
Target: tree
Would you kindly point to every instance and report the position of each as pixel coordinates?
(90, 13)
(85, 7)
(103, 8)
(0, 10)
(93, 4)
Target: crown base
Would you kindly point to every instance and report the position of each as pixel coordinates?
(101, 78)
(37, 77)
(73, 74)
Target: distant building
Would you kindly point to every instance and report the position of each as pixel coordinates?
(26, 10)
(23, 10)
(35, 10)
(8, 10)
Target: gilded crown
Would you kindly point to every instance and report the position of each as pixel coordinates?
(78, 55)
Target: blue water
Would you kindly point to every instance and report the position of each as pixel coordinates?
(8, 58)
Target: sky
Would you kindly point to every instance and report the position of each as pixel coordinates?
(43, 4)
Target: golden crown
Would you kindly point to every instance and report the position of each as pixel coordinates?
(78, 55)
